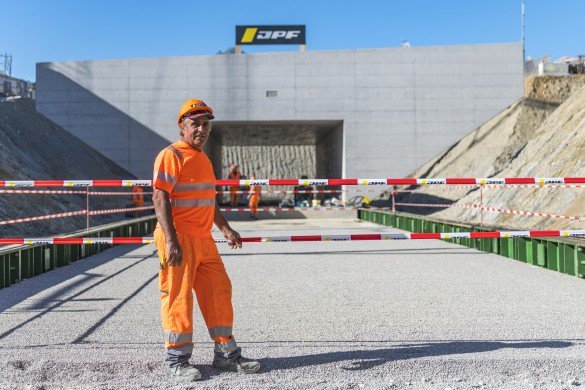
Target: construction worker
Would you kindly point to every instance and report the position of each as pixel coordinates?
(234, 174)
(185, 205)
(254, 199)
(302, 197)
(137, 199)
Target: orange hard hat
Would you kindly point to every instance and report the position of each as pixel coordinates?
(193, 106)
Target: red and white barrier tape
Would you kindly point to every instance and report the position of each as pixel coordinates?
(93, 193)
(43, 217)
(306, 182)
(72, 214)
(492, 209)
(322, 237)
(114, 211)
(74, 183)
(109, 193)
(283, 192)
(506, 186)
(42, 192)
(324, 208)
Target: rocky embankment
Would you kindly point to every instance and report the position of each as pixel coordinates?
(541, 135)
(34, 148)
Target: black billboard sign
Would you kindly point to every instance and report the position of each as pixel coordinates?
(270, 35)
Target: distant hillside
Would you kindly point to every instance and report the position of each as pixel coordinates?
(541, 135)
(34, 148)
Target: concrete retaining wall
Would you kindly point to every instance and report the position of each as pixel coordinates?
(393, 109)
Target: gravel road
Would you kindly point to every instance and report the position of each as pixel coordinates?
(319, 315)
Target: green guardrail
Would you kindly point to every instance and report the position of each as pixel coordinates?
(562, 255)
(19, 262)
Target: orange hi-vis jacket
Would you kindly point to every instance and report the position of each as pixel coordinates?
(234, 176)
(187, 175)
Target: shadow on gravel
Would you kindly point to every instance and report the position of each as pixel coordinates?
(47, 307)
(87, 333)
(366, 359)
(422, 198)
(17, 293)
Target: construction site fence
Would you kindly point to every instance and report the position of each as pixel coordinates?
(20, 262)
(562, 255)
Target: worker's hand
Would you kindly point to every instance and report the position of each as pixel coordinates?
(174, 253)
(233, 237)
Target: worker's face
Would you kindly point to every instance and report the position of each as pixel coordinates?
(195, 132)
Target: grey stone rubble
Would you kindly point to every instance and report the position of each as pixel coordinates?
(319, 315)
(541, 135)
(34, 148)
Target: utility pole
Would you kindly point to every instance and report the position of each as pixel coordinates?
(7, 63)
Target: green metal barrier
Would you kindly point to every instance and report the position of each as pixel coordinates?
(562, 255)
(18, 262)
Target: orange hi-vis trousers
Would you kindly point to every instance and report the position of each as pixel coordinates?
(201, 270)
(254, 200)
(234, 197)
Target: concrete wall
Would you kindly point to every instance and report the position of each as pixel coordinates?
(398, 107)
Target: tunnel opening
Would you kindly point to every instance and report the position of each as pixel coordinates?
(277, 149)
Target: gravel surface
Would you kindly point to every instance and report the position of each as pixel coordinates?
(359, 315)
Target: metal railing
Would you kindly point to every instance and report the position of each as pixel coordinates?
(19, 262)
(563, 255)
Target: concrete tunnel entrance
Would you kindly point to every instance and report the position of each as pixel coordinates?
(277, 149)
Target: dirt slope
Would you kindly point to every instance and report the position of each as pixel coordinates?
(541, 135)
(34, 148)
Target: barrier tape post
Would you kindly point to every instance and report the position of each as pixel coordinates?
(87, 208)
(481, 205)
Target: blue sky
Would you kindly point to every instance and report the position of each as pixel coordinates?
(71, 30)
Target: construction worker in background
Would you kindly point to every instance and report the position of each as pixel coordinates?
(234, 174)
(185, 205)
(254, 199)
(137, 199)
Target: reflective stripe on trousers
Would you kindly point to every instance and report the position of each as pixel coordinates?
(220, 331)
(172, 337)
(228, 350)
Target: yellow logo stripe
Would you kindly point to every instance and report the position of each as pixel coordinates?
(249, 34)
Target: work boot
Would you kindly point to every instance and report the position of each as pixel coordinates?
(184, 372)
(236, 364)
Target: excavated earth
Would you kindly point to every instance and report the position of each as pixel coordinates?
(34, 148)
(541, 135)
